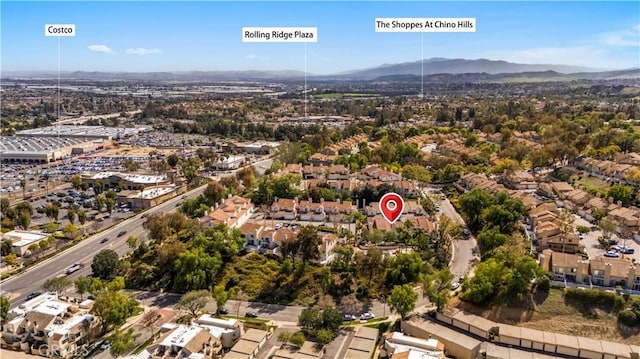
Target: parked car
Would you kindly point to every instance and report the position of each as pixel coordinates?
(611, 254)
(627, 250)
(455, 285)
(223, 311)
(349, 318)
(367, 316)
(33, 295)
(251, 315)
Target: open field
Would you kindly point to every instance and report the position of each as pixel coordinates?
(338, 95)
(555, 314)
(591, 183)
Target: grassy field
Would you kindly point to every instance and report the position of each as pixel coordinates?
(338, 95)
(554, 313)
(591, 183)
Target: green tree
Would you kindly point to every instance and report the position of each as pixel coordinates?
(607, 225)
(4, 308)
(98, 187)
(309, 243)
(489, 239)
(56, 284)
(214, 192)
(106, 264)
(284, 337)
(24, 219)
(82, 217)
(297, 339)
(372, 264)
(621, 193)
(5, 204)
(130, 165)
(221, 296)
(472, 204)
(11, 259)
(406, 268)
(114, 308)
(402, 299)
(195, 269)
(491, 275)
(71, 215)
(437, 287)
(324, 337)
(310, 319)
(6, 247)
(194, 301)
(83, 285)
(122, 341)
(76, 182)
(132, 242)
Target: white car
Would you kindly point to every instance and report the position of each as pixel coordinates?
(455, 285)
(367, 316)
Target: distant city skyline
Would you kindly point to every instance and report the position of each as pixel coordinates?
(150, 36)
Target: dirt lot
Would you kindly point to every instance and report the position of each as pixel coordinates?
(552, 312)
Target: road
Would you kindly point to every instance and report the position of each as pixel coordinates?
(465, 251)
(32, 279)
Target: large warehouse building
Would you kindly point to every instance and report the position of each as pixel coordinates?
(52, 143)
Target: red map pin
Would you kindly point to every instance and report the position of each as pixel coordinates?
(391, 206)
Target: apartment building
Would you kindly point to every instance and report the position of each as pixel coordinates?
(50, 328)
(602, 271)
(233, 212)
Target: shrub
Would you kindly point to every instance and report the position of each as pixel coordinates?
(544, 284)
(628, 317)
(590, 298)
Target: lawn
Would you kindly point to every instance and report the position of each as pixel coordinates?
(553, 312)
(591, 183)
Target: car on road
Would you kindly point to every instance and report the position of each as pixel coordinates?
(349, 318)
(105, 346)
(611, 254)
(122, 233)
(223, 311)
(251, 315)
(104, 240)
(455, 285)
(74, 268)
(367, 316)
(144, 215)
(33, 295)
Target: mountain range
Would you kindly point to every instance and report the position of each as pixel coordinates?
(434, 69)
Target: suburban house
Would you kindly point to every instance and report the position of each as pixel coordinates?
(227, 331)
(49, 327)
(233, 212)
(284, 208)
(185, 341)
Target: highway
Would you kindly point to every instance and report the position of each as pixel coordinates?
(19, 286)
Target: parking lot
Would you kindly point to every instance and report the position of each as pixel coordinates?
(594, 248)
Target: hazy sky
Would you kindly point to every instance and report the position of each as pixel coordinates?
(206, 35)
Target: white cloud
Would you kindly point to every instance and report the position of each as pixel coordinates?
(627, 37)
(609, 50)
(101, 48)
(251, 56)
(142, 51)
